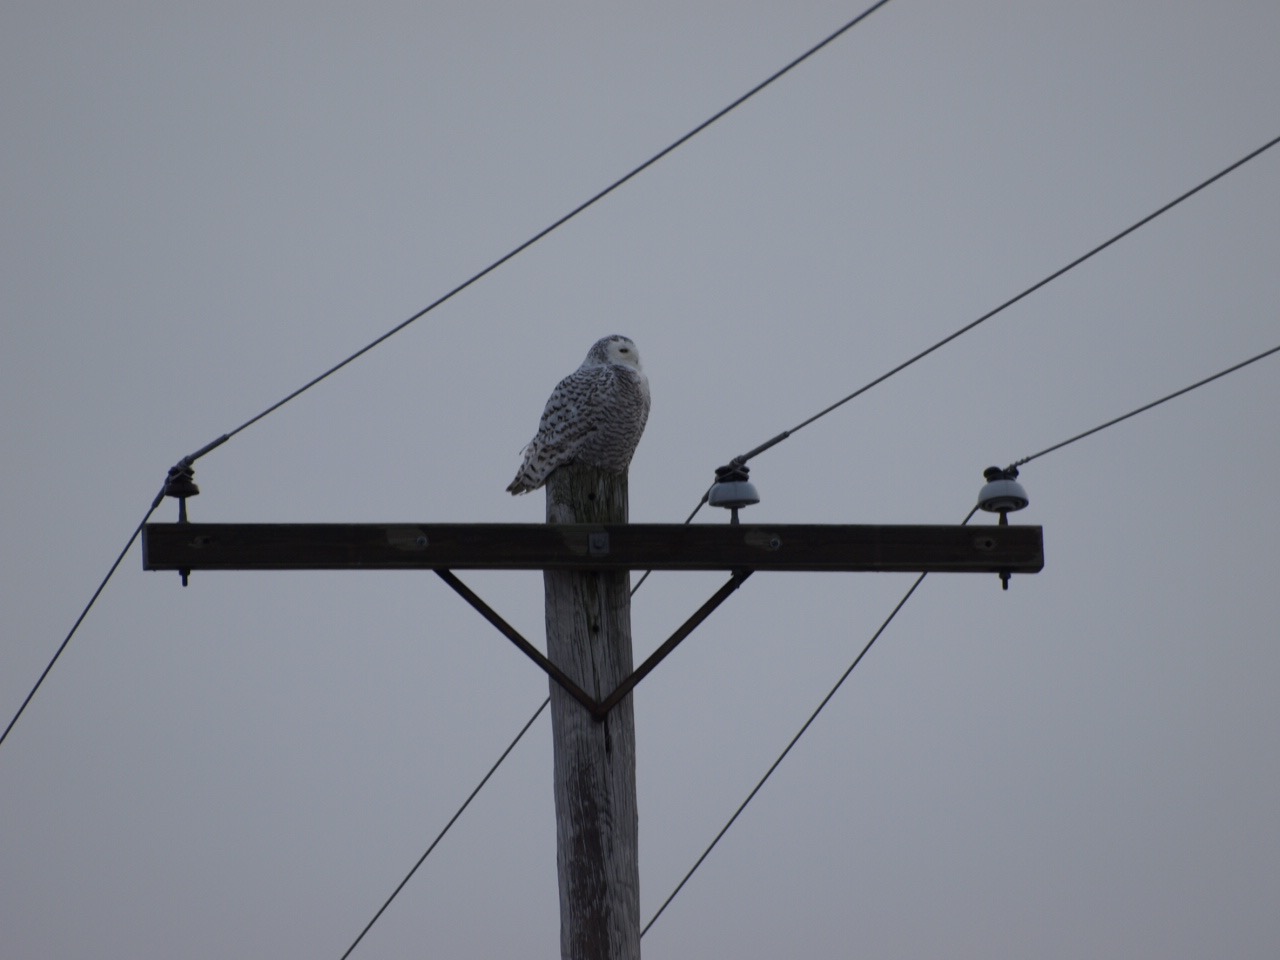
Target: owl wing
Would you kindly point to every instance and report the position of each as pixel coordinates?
(571, 416)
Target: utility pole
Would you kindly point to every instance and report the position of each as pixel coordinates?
(586, 550)
(588, 616)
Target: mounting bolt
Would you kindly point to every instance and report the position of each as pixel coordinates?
(1002, 494)
(180, 483)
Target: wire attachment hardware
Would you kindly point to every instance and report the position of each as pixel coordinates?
(180, 484)
(1001, 494)
(732, 490)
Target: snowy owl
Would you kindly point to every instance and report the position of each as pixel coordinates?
(594, 416)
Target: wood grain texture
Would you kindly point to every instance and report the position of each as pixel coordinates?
(589, 637)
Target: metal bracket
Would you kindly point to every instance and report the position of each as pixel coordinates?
(686, 628)
(598, 709)
(529, 650)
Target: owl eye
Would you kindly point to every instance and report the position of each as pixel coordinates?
(624, 349)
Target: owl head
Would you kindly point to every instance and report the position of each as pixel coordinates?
(614, 349)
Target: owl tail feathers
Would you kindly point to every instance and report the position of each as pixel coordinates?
(530, 476)
(527, 480)
(522, 484)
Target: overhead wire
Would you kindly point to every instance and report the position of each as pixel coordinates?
(440, 836)
(83, 613)
(743, 458)
(434, 843)
(591, 201)
(719, 114)
(791, 743)
(862, 653)
(787, 749)
(1147, 406)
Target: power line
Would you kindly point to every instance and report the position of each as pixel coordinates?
(900, 367)
(464, 806)
(773, 441)
(1148, 406)
(83, 613)
(440, 835)
(558, 223)
(193, 457)
(907, 595)
(794, 740)
(456, 290)
(743, 458)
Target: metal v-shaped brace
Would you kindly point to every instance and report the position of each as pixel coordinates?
(598, 709)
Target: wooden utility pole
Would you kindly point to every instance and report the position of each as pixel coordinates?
(586, 550)
(588, 615)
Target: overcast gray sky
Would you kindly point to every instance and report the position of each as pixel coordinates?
(204, 206)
